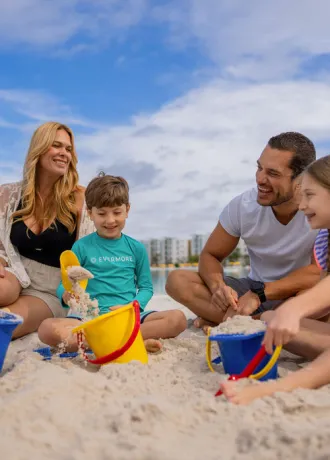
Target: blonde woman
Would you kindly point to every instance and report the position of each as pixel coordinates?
(40, 217)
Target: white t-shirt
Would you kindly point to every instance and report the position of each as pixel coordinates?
(275, 249)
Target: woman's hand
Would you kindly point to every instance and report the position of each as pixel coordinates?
(3, 264)
(283, 327)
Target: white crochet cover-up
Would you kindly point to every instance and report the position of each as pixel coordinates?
(10, 195)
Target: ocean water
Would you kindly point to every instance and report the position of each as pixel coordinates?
(159, 276)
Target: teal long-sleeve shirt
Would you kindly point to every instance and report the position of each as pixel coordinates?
(120, 267)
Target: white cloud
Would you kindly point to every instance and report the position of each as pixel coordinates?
(188, 159)
(37, 107)
(47, 23)
(206, 145)
(254, 39)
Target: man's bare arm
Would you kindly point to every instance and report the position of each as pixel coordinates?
(219, 245)
(300, 280)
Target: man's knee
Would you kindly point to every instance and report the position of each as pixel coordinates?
(182, 284)
(173, 281)
(177, 283)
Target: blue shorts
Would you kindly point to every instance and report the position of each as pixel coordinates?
(143, 316)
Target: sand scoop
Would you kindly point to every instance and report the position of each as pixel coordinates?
(73, 274)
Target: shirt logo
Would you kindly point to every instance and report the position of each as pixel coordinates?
(102, 259)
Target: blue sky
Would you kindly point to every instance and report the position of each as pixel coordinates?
(179, 97)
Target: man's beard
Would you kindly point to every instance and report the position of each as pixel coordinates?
(280, 199)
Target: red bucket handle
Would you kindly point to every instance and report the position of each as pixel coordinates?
(117, 353)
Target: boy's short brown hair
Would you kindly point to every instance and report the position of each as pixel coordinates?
(107, 192)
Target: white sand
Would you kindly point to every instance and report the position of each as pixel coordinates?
(161, 411)
(244, 325)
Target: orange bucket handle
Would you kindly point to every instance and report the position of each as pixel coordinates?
(117, 353)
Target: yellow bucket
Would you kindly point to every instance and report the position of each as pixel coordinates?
(115, 337)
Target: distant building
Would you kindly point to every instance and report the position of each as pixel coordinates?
(156, 252)
(198, 243)
(147, 245)
(175, 250)
(168, 250)
(182, 251)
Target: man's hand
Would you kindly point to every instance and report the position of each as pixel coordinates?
(282, 328)
(248, 304)
(225, 297)
(3, 264)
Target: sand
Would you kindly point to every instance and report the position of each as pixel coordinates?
(161, 411)
(242, 325)
(81, 305)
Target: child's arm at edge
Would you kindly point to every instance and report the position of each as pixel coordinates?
(143, 278)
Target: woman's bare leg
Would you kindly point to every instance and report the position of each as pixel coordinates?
(10, 289)
(33, 311)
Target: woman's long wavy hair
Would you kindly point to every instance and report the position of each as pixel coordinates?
(319, 170)
(61, 203)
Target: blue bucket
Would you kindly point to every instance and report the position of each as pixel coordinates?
(8, 322)
(237, 350)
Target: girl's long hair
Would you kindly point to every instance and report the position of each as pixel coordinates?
(61, 203)
(319, 170)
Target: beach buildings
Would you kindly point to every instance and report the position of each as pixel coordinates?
(168, 250)
(197, 243)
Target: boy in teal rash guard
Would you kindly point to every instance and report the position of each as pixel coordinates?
(121, 271)
(120, 267)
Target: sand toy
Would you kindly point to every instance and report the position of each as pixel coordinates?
(243, 356)
(114, 337)
(47, 355)
(69, 259)
(8, 322)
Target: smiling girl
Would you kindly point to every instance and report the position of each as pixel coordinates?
(290, 325)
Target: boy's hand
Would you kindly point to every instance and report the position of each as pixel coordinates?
(116, 307)
(67, 296)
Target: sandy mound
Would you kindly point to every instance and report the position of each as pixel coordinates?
(164, 410)
(244, 325)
